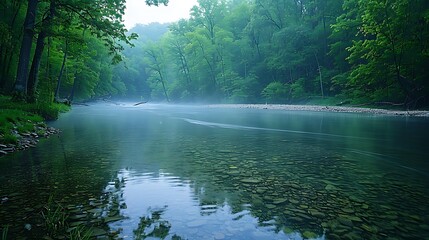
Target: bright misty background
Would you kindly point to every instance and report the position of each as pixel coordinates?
(137, 12)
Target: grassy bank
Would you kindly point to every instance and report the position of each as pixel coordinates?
(18, 119)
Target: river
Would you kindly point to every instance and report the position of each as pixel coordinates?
(193, 172)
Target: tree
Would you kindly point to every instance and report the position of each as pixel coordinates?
(24, 55)
(392, 50)
(102, 18)
(12, 15)
(157, 66)
(40, 45)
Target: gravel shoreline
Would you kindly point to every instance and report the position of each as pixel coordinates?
(27, 140)
(324, 109)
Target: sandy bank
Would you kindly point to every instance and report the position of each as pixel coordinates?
(323, 109)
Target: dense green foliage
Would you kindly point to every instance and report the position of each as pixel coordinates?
(52, 49)
(373, 52)
(241, 51)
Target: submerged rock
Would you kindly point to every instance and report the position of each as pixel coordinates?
(330, 187)
(250, 180)
(308, 235)
(279, 200)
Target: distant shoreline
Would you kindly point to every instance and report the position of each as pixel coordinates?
(316, 108)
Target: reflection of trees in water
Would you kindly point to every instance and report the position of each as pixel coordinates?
(270, 184)
(154, 226)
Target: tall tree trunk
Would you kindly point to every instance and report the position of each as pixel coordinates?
(319, 69)
(3, 57)
(75, 82)
(163, 87)
(57, 91)
(33, 77)
(7, 49)
(24, 54)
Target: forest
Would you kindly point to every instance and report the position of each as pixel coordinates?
(361, 52)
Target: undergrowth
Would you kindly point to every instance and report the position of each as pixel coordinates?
(22, 117)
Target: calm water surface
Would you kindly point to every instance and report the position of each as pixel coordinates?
(192, 172)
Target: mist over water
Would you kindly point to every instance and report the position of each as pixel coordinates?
(193, 172)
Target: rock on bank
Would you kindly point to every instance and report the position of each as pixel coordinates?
(27, 139)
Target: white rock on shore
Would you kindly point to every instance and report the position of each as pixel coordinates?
(323, 109)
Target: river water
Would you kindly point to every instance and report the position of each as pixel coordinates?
(194, 172)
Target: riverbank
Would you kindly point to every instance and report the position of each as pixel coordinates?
(22, 125)
(317, 108)
(27, 139)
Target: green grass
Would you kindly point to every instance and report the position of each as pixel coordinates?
(4, 232)
(49, 111)
(9, 139)
(80, 233)
(23, 116)
(55, 217)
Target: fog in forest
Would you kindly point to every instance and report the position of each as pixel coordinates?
(236, 51)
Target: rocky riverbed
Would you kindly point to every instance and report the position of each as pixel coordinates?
(28, 139)
(324, 109)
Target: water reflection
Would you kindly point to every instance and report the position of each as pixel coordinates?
(164, 206)
(162, 172)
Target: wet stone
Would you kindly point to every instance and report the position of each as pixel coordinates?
(368, 228)
(347, 210)
(351, 218)
(250, 180)
(308, 235)
(345, 222)
(279, 200)
(356, 199)
(316, 213)
(330, 187)
(304, 216)
(270, 206)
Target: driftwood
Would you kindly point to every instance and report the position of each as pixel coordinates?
(139, 103)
